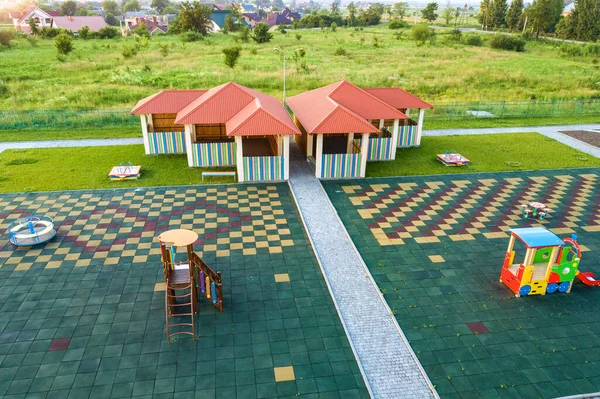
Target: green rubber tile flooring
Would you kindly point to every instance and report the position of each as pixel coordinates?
(435, 246)
(81, 316)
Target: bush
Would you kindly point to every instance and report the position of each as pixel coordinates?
(506, 42)
(298, 36)
(83, 32)
(142, 31)
(245, 34)
(108, 32)
(261, 33)
(32, 40)
(129, 51)
(421, 33)
(340, 51)
(164, 49)
(281, 28)
(333, 26)
(253, 51)
(63, 44)
(6, 37)
(398, 24)
(474, 40)
(49, 33)
(456, 35)
(232, 54)
(191, 36)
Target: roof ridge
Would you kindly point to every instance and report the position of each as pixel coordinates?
(364, 91)
(401, 89)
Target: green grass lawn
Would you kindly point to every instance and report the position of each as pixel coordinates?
(487, 153)
(431, 124)
(88, 167)
(97, 75)
(109, 132)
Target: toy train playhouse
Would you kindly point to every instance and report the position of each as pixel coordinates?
(550, 264)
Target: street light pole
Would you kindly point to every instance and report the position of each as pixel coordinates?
(284, 54)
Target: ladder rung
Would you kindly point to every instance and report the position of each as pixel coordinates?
(180, 325)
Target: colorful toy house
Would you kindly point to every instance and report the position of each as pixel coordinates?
(550, 264)
(229, 125)
(343, 126)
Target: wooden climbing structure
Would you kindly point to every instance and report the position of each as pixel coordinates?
(182, 281)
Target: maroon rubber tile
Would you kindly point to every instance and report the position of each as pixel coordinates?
(478, 328)
(59, 344)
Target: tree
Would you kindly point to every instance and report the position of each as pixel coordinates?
(132, 5)
(335, 7)
(448, 14)
(513, 15)
(484, 8)
(351, 14)
(232, 54)
(229, 25)
(400, 9)
(63, 44)
(497, 13)
(421, 33)
(159, 5)
(82, 12)
(429, 12)
(68, 8)
(372, 15)
(585, 20)
(245, 34)
(33, 27)
(261, 33)
(111, 20)
(544, 15)
(194, 17)
(110, 7)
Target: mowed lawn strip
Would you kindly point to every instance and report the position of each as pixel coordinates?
(51, 169)
(108, 132)
(487, 153)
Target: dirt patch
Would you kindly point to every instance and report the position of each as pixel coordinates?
(584, 135)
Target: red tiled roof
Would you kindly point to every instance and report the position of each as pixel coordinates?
(398, 98)
(340, 108)
(95, 23)
(244, 112)
(166, 102)
(54, 13)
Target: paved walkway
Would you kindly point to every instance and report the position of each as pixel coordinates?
(389, 365)
(548, 131)
(67, 143)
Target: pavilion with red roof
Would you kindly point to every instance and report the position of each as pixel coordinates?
(344, 126)
(228, 125)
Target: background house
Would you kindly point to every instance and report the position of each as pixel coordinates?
(156, 24)
(52, 19)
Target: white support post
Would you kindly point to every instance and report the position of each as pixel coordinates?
(407, 113)
(145, 134)
(189, 132)
(395, 136)
(350, 143)
(239, 158)
(381, 123)
(420, 126)
(364, 156)
(286, 157)
(319, 156)
(150, 122)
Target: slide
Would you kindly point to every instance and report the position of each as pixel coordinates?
(587, 278)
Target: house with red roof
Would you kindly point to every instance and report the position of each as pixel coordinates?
(343, 126)
(228, 125)
(52, 19)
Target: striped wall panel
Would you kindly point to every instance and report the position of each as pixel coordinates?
(167, 142)
(263, 168)
(380, 149)
(408, 136)
(340, 165)
(213, 154)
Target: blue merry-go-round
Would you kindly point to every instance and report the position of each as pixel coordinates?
(31, 230)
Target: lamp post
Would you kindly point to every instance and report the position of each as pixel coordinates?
(284, 54)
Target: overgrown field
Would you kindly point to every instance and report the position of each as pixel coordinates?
(97, 75)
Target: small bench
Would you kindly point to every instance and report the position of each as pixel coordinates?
(219, 173)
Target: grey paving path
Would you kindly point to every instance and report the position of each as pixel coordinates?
(390, 367)
(548, 131)
(67, 143)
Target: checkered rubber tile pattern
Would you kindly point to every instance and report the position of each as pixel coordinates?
(435, 246)
(84, 318)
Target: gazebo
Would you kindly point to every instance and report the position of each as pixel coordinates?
(344, 126)
(228, 125)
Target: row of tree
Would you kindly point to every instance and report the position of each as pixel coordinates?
(583, 23)
(542, 16)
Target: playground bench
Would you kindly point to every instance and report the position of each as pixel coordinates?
(219, 173)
